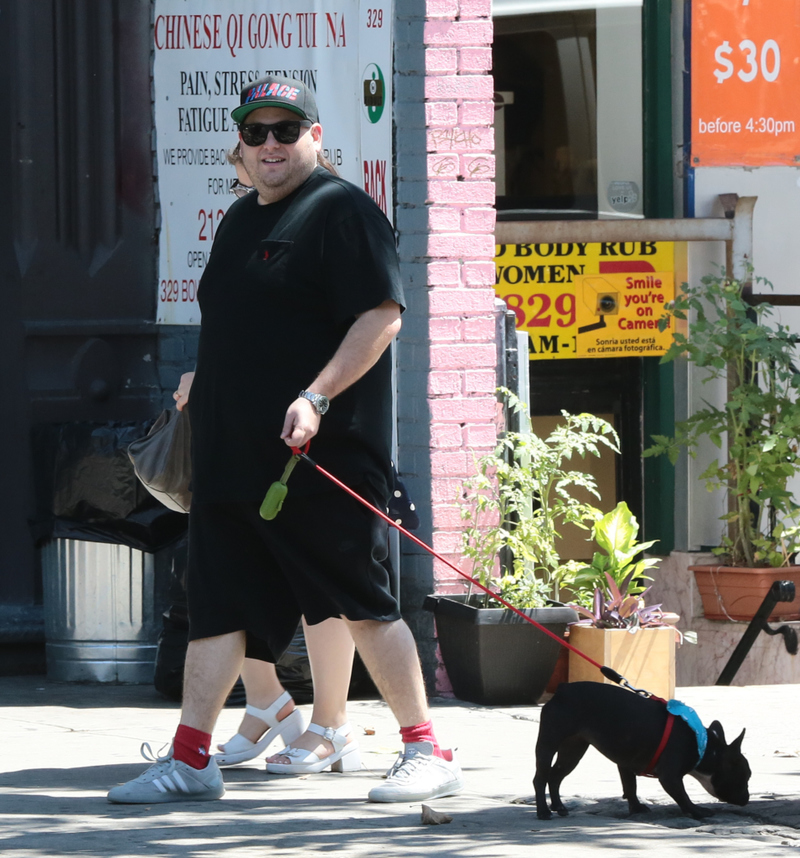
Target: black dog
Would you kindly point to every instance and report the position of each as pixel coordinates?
(628, 729)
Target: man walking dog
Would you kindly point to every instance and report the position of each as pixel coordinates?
(300, 300)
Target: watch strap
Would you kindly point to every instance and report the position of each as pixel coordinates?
(318, 400)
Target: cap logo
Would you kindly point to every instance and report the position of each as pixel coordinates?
(272, 90)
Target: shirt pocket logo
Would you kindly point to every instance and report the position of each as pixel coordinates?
(269, 260)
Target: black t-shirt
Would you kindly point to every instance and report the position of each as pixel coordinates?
(283, 284)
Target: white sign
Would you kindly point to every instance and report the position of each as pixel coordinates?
(206, 51)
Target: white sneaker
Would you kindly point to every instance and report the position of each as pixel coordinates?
(418, 775)
(171, 780)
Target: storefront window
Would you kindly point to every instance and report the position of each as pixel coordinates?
(568, 117)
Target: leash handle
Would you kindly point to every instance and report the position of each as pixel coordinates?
(303, 454)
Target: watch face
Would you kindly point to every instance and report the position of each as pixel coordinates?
(321, 403)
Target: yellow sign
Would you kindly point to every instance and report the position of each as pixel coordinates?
(576, 299)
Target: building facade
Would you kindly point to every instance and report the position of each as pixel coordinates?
(550, 112)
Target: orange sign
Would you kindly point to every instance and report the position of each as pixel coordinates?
(745, 82)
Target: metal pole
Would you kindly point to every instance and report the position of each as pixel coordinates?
(780, 591)
(656, 229)
(742, 242)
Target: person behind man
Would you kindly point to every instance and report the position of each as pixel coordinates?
(269, 714)
(301, 293)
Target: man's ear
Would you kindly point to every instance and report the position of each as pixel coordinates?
(316, 133)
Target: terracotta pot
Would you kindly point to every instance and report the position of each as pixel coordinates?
(560, 671)
(736, 592)
(646, 659)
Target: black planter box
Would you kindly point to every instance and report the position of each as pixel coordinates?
(492, 655)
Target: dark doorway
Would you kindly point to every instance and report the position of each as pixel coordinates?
(613, 387)
(77, 260)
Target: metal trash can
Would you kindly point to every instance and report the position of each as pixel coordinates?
(99, 612)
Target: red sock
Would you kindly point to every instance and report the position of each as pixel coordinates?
(424, 733)
(191, 746)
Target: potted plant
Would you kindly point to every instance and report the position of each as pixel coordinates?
(619, 629)
(514, 508)
(759, 422)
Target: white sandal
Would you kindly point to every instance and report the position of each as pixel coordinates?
(240, 749)
(345, 757)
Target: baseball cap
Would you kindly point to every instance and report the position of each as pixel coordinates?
(276, 91)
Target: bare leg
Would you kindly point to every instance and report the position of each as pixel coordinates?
(390, 654)
(263, 688)
(330, 651)
(212, 665)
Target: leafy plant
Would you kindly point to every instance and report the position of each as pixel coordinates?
(617, 607)
(618, 577)
(759, 420)
(615, 534)
(520, 499)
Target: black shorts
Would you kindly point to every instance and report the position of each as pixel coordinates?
(322, 556)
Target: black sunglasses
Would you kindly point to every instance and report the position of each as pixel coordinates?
(239, 189)
(256, 133)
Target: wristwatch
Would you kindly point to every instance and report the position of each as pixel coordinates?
(321, 403)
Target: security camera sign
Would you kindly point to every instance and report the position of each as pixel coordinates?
(578, 300)
(625, 312)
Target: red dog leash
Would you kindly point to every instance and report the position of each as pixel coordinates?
(608, 672)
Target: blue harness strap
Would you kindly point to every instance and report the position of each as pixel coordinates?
(681, 710)
(676, 709)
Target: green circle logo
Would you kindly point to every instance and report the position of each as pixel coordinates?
(374, 92)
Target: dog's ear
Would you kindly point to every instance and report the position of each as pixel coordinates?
(736, 744)
(715, 731)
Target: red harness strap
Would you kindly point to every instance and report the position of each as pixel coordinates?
(647, 773)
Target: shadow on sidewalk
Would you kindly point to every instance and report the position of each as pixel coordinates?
(22, 691)
(64, 812)
(88, 825)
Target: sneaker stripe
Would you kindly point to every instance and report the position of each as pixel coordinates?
(169, 781)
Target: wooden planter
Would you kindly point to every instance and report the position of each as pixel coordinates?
(493, 656)
(736, 592)
(646, 659)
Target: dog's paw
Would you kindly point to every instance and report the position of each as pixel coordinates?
(700, 813)
(544, 814)
(639, 808)
(561, 811)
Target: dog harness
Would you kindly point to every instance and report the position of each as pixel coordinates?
(677, 709)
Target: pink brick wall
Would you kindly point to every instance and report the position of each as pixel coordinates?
(461, 194)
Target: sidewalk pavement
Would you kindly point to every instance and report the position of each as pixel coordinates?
(65, 745)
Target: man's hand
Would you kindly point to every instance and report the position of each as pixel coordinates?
(181, 395)
(301, 423)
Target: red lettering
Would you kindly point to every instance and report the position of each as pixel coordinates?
(375, 183)
(195, 32)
